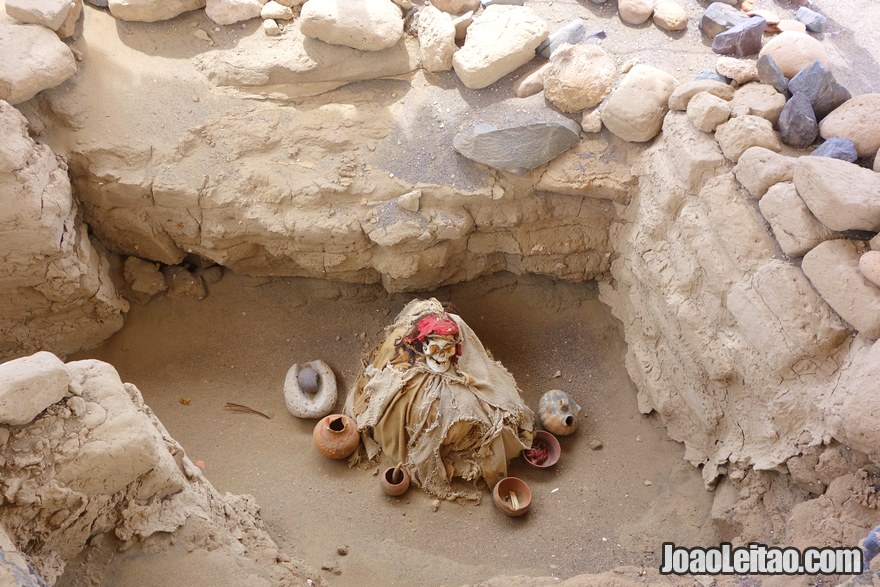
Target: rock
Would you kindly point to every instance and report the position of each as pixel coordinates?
(758, 99)
(797, 123)
(592, 122)
(486, 3)
(517, 149)
(436, 39)
(794, 226)
(310, 391)
(843, 149)
(842, 195)
(759, 168)
(875, 243)
(579, 77)
(793, 51)
(97, 3)
(276, 11)
(877, 162)
(410, 201)
(368, 25)
(143, 277)
(225, 12)
(770, 74)
(531, 84)
(595, 444)
(742, 71)
(857, 120)
(771, 17)
(183, 283)
(683, 93)
(210, 275)
(714, 76)
(271, 28)
(151, 10)
(74, 16)
(34, 59)
(48, 13)
(29, 385)
(813, 21)
(719, 17)
(461, 23)
(500, 40)
(816, 83)
(670, 15)
(635, 11)
(456, 6)
(572, 33)
(740, 133)
(635, 110)
(833, 269)
(869, 265)
(706, 111)
(787, 25)
(741, 40)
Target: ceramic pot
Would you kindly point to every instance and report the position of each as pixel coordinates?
(336, 436)
(512, 496)
(394, 481)
(558, 412)
(310, 390)
(546, 441)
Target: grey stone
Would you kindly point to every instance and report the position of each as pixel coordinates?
(770, 74)
(797, 123)
(817, 82)
(837, 148)
(719, 17)
(309, 380)
(598, 1)
(571, 33)
(741, 40)
(814, 21)
(520, 148)
(712, 75)
(98, 3)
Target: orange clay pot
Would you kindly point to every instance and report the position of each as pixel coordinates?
(336, 436)
(394, 481)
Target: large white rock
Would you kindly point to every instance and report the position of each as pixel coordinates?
(436, 39)
(842, 195)
(48, 13)
(368, 25)
(869, 265)
(833, 268)
(579, 76)
(858, 120)
(742, 71)
(151, 10)
(29, 385)
(706, 111)
(500, 40)
(794, 226)
(792, 51)
(456, 6)
(32, 59)
(231, 11)
(743, 132)
(759, 168)
(635, 110)
(682, 94)
(670, 15)
(635, 11)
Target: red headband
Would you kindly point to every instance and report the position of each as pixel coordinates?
(433, 324)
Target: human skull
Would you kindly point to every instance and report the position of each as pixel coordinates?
(438, 351)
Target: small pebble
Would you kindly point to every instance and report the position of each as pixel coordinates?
(435, 505)
(638, 438)
(595, 444)
(342, 550)
(557, 374)
(648, 483)
(195, 98)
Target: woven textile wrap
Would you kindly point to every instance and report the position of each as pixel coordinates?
(467, 422)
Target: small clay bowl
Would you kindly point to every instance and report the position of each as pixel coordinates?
(548, 441)
(392, 484)
(502, 498)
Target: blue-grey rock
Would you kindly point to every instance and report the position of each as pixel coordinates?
(598, 1)
(814, 21)
(712, 75)
(520, 148)
(770, 74)
(719, 17)
(98, 3)
(741, 40)
(571, 33)
(817, 82)
(797, 124)
(837, 148)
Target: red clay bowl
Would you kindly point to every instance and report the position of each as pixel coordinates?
(548, 442)
(501, 496)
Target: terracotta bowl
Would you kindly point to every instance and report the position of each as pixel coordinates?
(394, 486)
(503, 500)
(549, 442)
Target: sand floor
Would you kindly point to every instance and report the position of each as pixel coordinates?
(595, 510)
